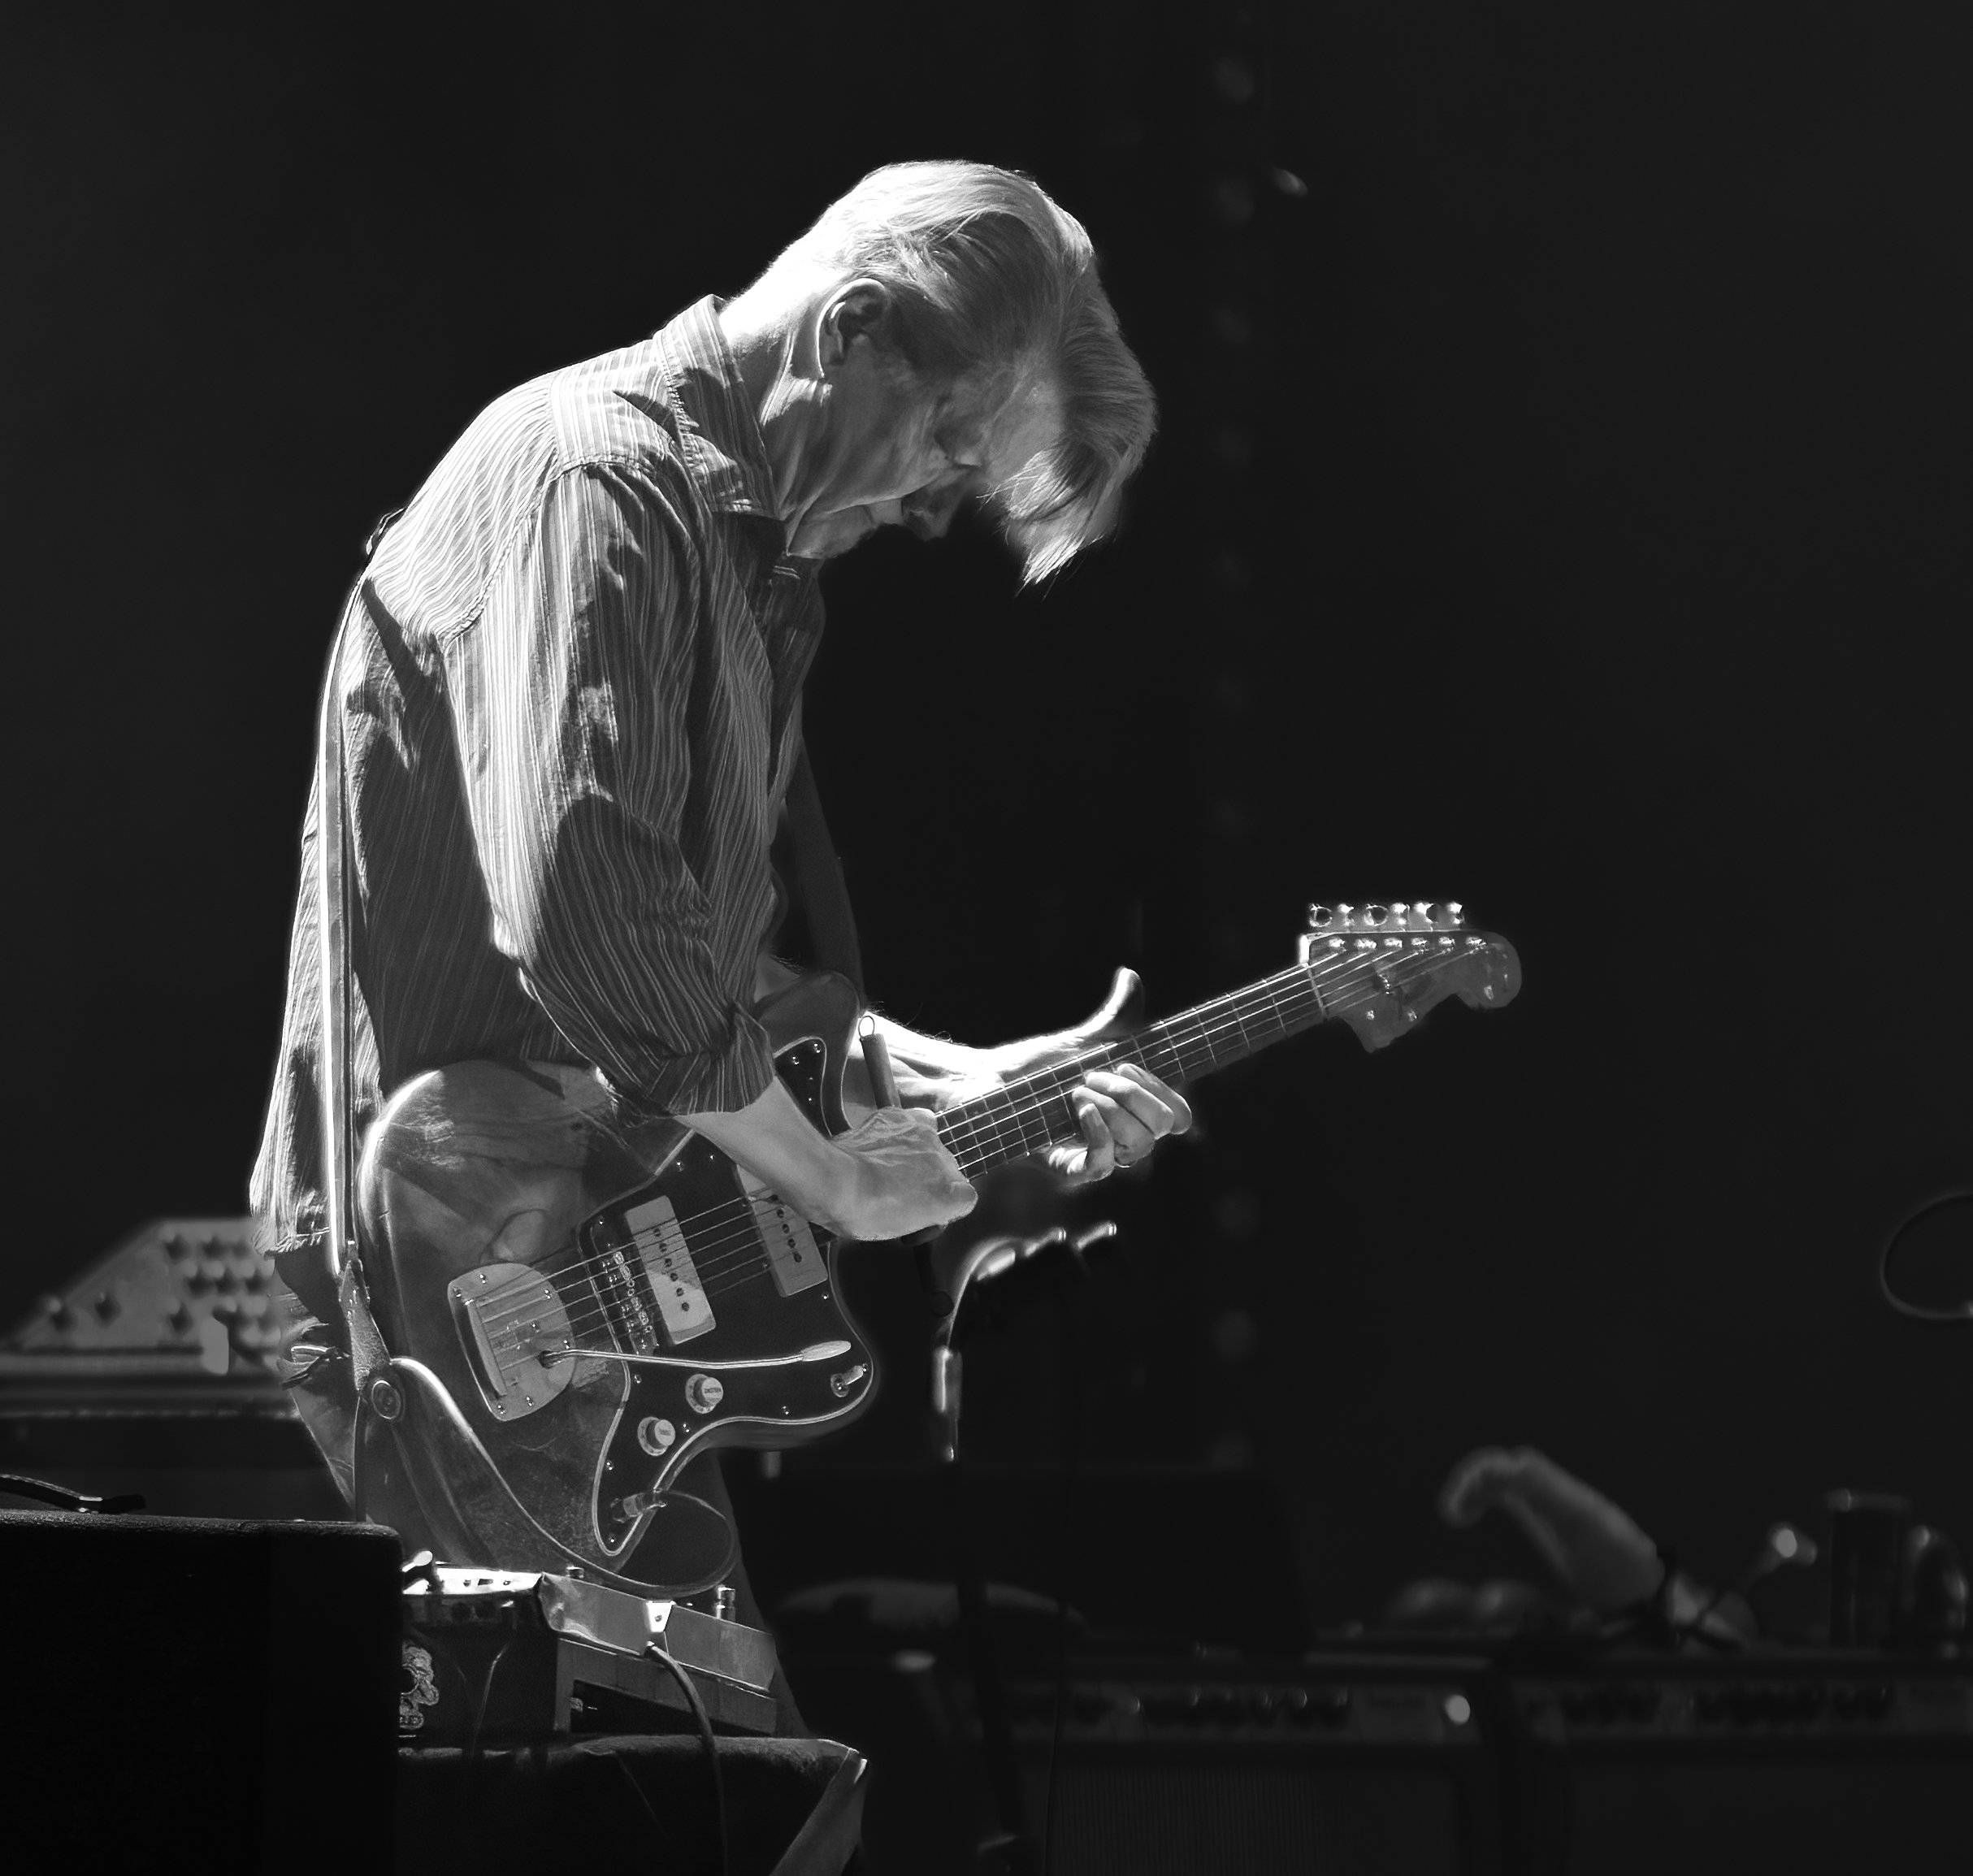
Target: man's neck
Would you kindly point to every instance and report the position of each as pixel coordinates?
(770, 334)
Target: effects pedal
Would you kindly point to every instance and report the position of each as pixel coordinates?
(502, 1655)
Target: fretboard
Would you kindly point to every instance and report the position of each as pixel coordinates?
(1023, 1116)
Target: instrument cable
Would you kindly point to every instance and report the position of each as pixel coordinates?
(658, 1652)
(1920, 1312)
(471, 1757)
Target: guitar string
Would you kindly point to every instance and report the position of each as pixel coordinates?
(712, 1258)
(1188, 1034)
(710, 1266)
(718, 1259)
(717, 1263)
(599, 1318)
(1001, 1112)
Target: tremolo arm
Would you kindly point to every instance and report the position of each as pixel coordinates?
(815, 1352)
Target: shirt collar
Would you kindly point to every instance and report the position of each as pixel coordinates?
(719, 435)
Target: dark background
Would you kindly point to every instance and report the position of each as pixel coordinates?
(1561, 502)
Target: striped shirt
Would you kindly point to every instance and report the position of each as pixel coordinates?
(571, 691)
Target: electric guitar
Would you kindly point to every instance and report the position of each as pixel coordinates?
(603, 1301)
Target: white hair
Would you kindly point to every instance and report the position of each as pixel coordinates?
(990, 279)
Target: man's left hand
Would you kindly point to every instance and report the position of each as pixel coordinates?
(1123, 1111)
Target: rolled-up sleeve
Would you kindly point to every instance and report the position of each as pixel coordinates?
(576, 688)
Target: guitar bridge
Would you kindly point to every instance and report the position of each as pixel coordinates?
(514, 1329)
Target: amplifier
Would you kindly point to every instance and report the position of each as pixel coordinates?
(1178, 1767)
(1811, 1761)
(219, 1687)
(1327, 1765)
(152, 1374)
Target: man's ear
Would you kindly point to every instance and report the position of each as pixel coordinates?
(860, 310)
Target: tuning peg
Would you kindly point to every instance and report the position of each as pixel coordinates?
(1321, 917)
(1374, 917)
(1443, 912)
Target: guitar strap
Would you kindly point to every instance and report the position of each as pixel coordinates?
(818, 876)
(337, 984)
(369, 1358)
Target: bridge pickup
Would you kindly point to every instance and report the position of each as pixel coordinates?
(794, 1258)
(668, 1267)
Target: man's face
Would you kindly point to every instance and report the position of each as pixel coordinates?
(899, 453)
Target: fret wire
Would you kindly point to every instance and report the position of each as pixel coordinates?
(1302, 979)
(1202, 1050)
(1167, 1034)
(1341, 970)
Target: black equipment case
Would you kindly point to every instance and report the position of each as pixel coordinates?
(192, 1690)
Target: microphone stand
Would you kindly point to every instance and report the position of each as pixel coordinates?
(1011, 1850)
(948, 1272)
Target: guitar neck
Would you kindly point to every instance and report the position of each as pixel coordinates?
(1023, 1115)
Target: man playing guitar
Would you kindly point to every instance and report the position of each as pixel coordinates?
(569, 691)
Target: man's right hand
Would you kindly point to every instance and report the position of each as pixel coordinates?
(902, 1179)
(887, 1177)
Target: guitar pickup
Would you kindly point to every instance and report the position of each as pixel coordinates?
(794, 1258)
(669, 1269)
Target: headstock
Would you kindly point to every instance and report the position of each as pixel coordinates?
(1385, 965)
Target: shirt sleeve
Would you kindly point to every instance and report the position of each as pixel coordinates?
(574, 689)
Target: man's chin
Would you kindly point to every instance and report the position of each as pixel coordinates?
(832, 535)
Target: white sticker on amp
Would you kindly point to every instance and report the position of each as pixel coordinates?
(674, 1281)
(797, 1264)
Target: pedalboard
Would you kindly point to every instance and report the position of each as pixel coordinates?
(503, 1655)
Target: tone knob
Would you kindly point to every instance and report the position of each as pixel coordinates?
(703, 1393)
(655, 1435)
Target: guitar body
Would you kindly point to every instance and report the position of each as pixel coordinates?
(605, 1301)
